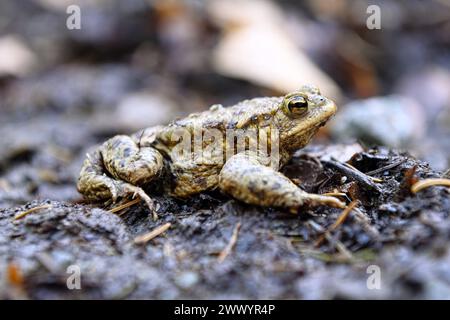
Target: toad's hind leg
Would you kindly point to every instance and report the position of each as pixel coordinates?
(245, 178)
(118, 169)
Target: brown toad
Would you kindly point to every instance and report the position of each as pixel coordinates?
(238, 150)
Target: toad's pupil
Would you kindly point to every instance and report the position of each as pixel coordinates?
(298, 105)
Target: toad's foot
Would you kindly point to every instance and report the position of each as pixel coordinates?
(245, 178)
(117, 169)
(141, 193)
(95, 185)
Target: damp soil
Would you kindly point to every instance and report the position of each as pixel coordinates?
(276, 254)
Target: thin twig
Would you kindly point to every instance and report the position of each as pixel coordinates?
(385, 168)
(364, 220)
(355, 169)
(338, 221)
(23, 214)
(336, 243)
(226, 251)
(353, 173)
(343, 216)
(339, 246)
(125, 205)
(152, 234)
(335, 194)
(446, 174)
(46, 260)
(419, 185)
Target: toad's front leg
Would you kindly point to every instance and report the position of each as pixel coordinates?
(117, 169)
(245, 178)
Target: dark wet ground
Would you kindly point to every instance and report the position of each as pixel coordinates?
(276, 254)
(129, 74)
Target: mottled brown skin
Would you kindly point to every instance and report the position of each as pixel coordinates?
(124, 164)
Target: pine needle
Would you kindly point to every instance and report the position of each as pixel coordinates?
(338, 221)
(227, 250)
(125, 205)
(335, 194)
(24, 213)
(142, 239)
(420, 185)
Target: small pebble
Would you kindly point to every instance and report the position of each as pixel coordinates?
(186, 279)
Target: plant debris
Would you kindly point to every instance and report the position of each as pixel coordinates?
(26, 212)
(339, 221)
(274, 246)
(226, 251)
(420, 185)
(353, 173)
(142, 239)
(125, 205)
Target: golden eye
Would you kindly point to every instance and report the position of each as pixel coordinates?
(297, 105)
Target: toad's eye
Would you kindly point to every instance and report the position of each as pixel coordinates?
(297, 105)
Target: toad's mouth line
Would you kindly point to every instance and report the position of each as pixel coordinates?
(308, 130)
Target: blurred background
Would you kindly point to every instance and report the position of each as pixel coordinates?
(138, 63)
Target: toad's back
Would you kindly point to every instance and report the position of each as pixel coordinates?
(245, 112)
(190, 175)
